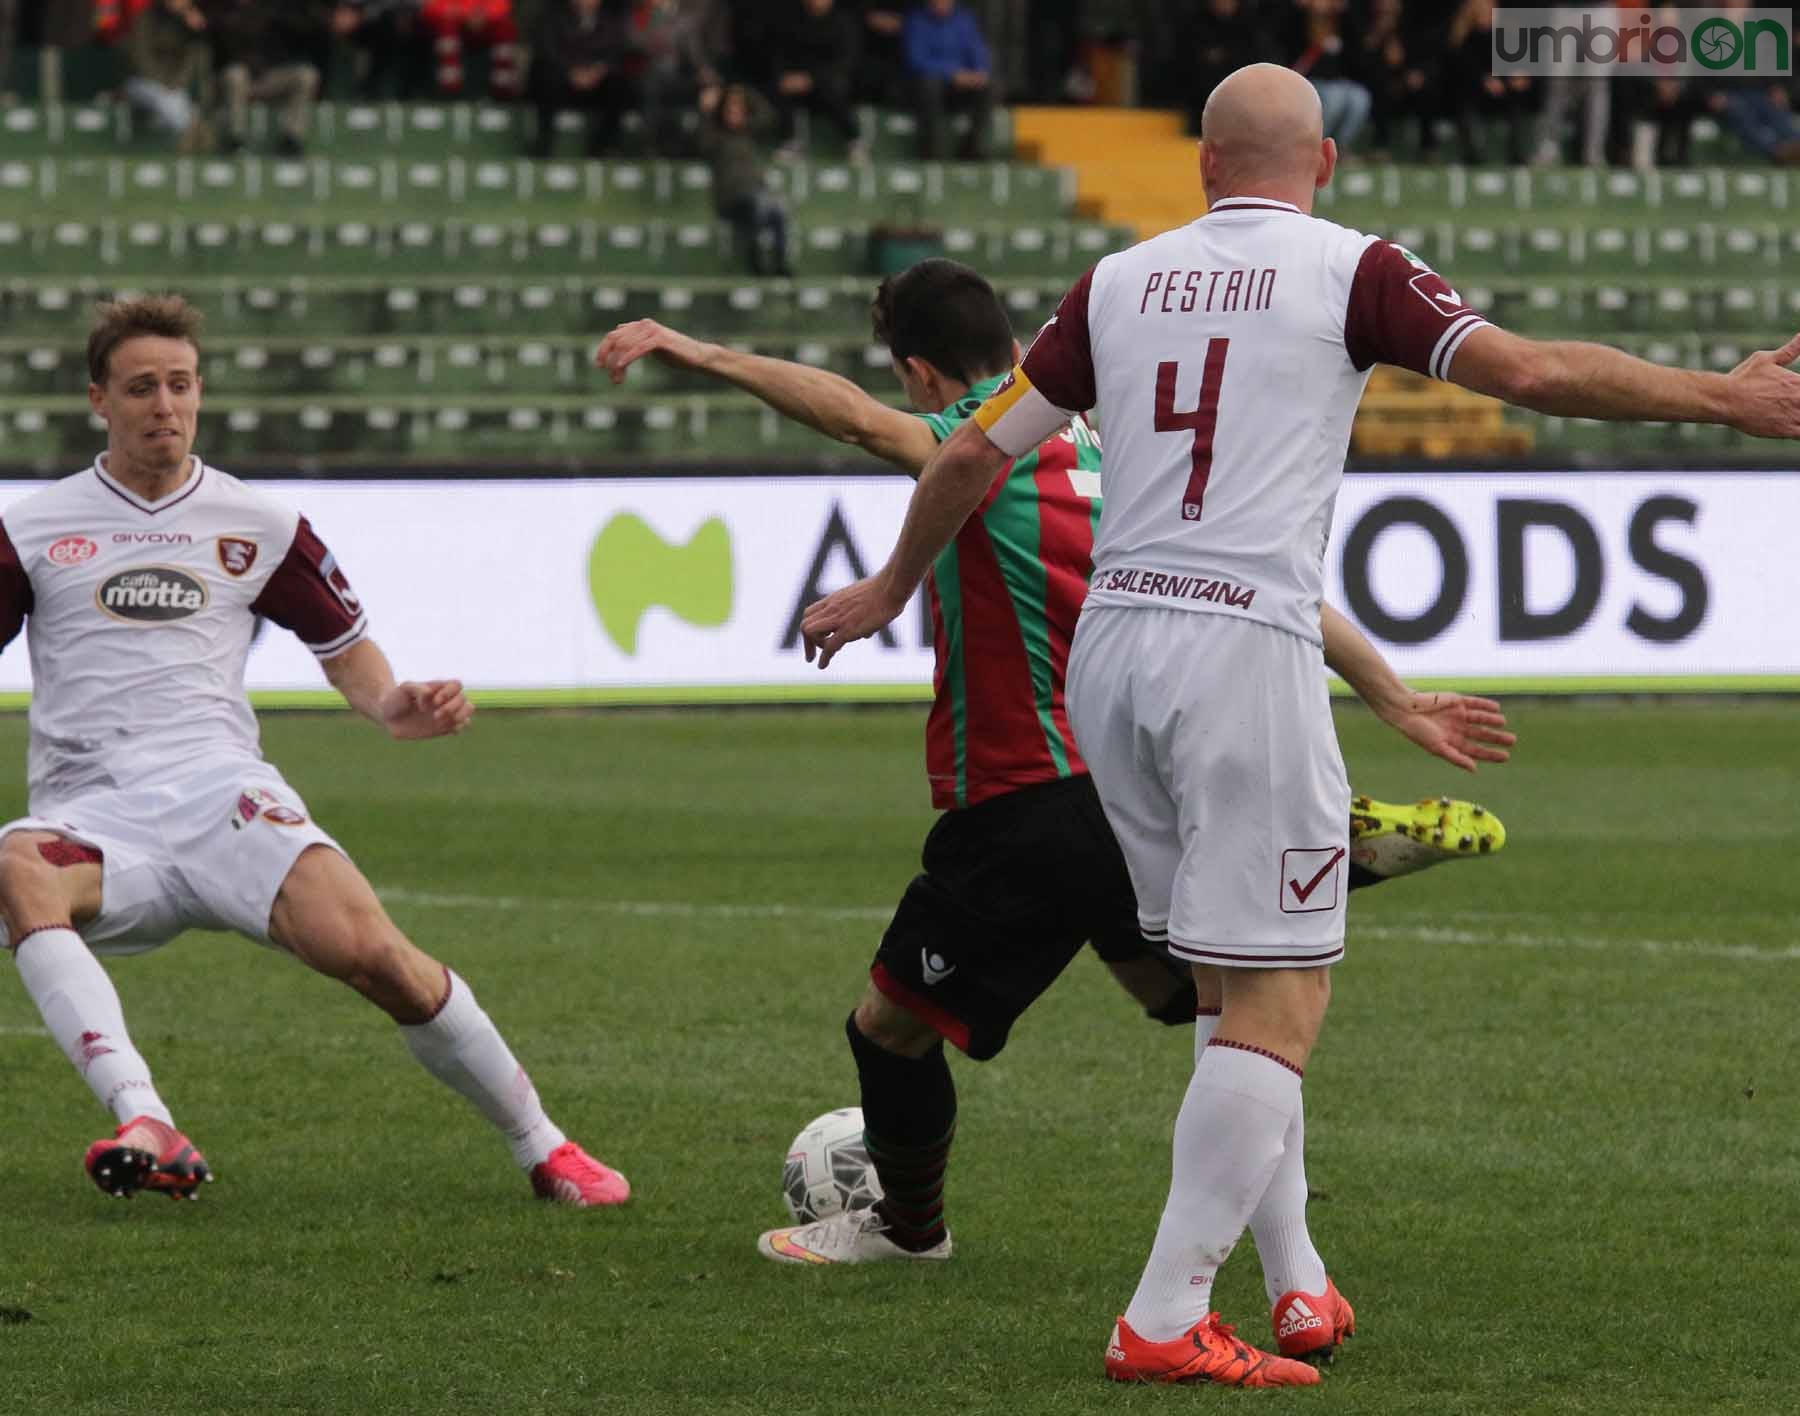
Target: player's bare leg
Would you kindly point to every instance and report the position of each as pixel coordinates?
(909, 1119)
(47, 885)
(329, 918)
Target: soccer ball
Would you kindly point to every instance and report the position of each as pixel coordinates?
(828, 1170)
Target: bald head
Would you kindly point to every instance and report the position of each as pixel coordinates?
(1263, 128)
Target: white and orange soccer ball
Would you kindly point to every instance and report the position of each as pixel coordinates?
(827, 1170)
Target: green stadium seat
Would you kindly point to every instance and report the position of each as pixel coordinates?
(1677, 250)
(427, 247)
(1689, 194)
(1482, 250)
(1748, 250)
(1671, 308)
(829, 249)
(1620, 192)
(576, 185)
(71, 248)
(1613, 252)
(495, 131)
(85, 186)
(1550, 250)
(1489, 192)
(357, 127)
(421, 186)
(1757, 189)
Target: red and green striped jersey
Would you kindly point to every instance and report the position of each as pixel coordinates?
(1004, 596)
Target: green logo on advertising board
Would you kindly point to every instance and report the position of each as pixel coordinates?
(632, 569)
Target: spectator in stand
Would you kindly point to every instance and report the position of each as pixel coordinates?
(881, 77)
(577, 63)
(9, 37)
(390, 44)
(736, 123)
(1479, 95)
(457, 26)
(1765, 117)
(951, 71)
(253, 41)
(676, 46)
(815, 53)
(1315, 46)
(1221, 35)
(168, 58)
(1398, 65)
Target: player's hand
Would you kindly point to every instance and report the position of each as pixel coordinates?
(630, 342)
(1463, 731)
(425, 710)
(1766, 393)
(853, 613)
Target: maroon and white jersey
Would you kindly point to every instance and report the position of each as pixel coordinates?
(141, 616)
(1227, 359)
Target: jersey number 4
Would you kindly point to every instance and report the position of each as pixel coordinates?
(1200, 421)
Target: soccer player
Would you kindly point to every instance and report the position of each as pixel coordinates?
(1227, 358)
(152, 809)
(1021, 868)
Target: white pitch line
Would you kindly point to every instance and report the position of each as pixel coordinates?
(24, 1032)
(646, 908)
(1430, 933)
(1691, 948)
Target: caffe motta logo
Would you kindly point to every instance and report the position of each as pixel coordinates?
(151, 594)
(632, 570)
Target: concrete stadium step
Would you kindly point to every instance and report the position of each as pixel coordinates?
(615, 428)
(1134, 166)
(61, 434)
(714, 307)
(524, 365)
(1421, 193)
(370, 185)
(418, 129)
(402, 249)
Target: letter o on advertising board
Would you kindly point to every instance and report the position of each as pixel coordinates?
(1453, 579)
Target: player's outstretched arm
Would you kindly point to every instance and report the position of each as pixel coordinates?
(406, 710)
(1463, 731)
(950, 489)
(1760, 397)
(825, 402)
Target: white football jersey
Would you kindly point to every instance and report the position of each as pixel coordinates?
(1227, 359)
(141, 616)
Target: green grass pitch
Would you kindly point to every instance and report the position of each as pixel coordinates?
(1553, 1124)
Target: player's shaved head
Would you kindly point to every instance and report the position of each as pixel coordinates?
(1262, 126)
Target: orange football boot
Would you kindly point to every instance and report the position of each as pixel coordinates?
(1311, 1325)
(1207, 1352)
(146, 1154)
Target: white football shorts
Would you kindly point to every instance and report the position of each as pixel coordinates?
(1211, 743)
(208, 850)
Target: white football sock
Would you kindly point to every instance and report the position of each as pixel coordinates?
(1289, 1259)
(1229, 1137)
(463, 1049)
(81, 1008)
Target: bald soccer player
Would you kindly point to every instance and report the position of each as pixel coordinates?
(1227, 359)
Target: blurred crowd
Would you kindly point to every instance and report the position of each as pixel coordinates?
(1417, 76)
(193, 67)
(1406, 77)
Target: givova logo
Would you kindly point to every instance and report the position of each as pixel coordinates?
(632, 570)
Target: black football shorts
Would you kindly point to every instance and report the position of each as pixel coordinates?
(1012, 888)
